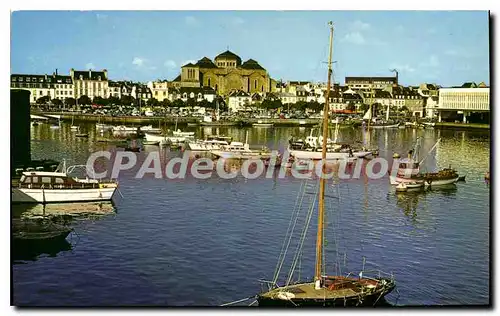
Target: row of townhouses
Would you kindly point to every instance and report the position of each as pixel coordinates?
(425, 100)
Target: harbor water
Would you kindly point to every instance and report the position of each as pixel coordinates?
(197, 242)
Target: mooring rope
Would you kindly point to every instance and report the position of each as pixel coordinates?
(238, 301)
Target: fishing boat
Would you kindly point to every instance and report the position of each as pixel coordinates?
(409, 171)
(125, 129)
(151, 143)
(210, 143)
(239, 150)
(180, 133)
(405, 186)
(262, 124)
(59, 186)
(324, 289)
(150, 129)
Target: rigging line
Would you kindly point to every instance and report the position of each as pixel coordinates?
(289, 233)
(334, 231)
(302, 238)
(238, 301)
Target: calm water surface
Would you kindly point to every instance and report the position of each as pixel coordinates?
(208, 242)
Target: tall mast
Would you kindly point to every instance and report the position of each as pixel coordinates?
(321, 209)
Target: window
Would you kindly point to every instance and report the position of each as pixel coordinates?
(46, 180)
(59, 181)
(34, 179)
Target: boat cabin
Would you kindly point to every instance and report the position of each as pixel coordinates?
(49, 180)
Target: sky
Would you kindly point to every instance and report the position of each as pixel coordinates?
(443, 47)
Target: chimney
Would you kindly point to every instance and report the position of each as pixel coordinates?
(90, 73)
(56, 71)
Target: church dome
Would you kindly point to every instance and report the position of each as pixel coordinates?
(234, 60)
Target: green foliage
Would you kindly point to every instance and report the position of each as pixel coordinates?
(153, 102)
(165, 103)
(127, 100)
(114, 100)
(43, 100)
(70, 101)
(100, 101)
(57, 102)
(271, 104)
(84, 100)
(178, 103)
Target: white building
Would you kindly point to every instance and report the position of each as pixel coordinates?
(114, 89)
(159, 89)
(238, 101)
(53, 86)
(463, 101)
(90, 83)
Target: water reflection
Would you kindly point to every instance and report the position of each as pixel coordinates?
(39, 230)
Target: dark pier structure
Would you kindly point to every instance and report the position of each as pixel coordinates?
(20, 136)
(20, 128)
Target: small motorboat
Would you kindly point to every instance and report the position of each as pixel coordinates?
(405, 186)
(151, 142)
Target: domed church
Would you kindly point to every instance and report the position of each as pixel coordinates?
(225, 74)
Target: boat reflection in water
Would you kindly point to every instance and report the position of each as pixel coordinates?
(409, 200)
(39, 230)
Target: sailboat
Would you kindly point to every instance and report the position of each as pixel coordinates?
(327, 290)
(73, 126)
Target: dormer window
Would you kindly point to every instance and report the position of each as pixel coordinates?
(99, 78)
(81, 77)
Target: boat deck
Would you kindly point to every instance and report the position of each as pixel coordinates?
(308, 291)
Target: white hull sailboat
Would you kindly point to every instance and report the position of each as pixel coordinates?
(59, 187)
(239, 150)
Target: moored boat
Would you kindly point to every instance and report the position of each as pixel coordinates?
(60, 186)
(210, 143)
(323, 290)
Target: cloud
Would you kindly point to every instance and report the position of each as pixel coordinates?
(402, 68)
(355, 38)
(138, 61)
(89, 66)
(191, 21)
(192, 61)
(432, 62)
(360, 26)
(170, 64)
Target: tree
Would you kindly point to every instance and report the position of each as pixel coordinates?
(84, 100)
(127, 100)
(191, 102)
(100, 101)
(57, 102)
(205, 104)
(69, 101)
(178, 103)
(153, 102)
(271, 104)
(166, 103)
(113, 100)
(43, 100)
(315, 106)
(301, 105)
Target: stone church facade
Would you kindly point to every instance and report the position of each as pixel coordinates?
(225, 74)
